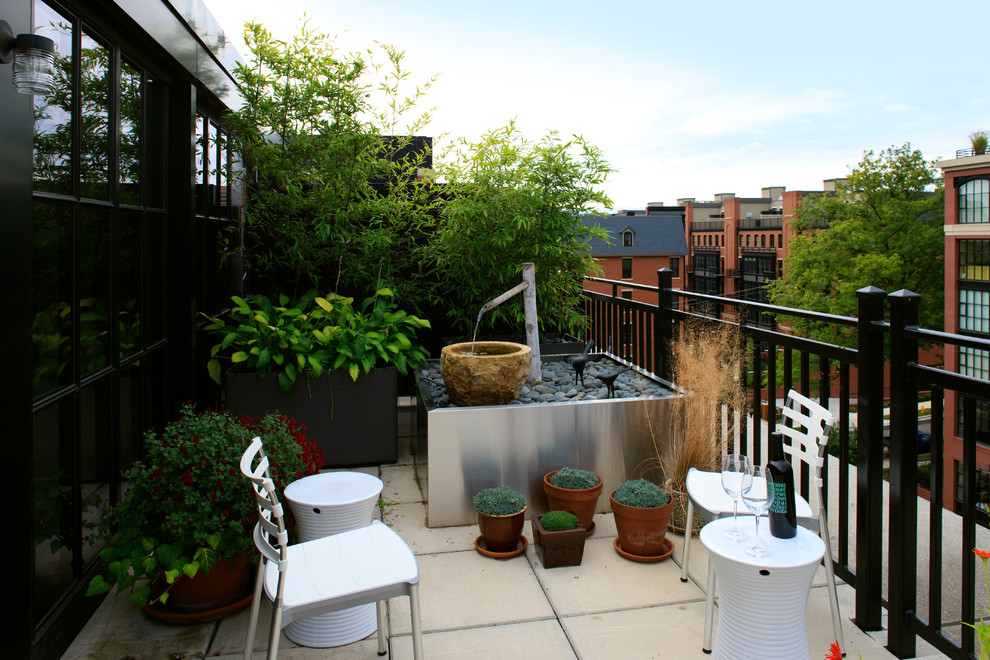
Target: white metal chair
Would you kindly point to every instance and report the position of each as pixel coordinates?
(805, 442)
(336, 572)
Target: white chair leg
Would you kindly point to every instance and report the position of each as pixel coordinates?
(833, 595)
(417, 623)
(276, 633)
(688, 530)
(709, 607)
(380, 608)
(259, 581)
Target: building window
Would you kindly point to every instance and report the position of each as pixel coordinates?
(974, 201)
(771, 240)
(675, 265)
(627, 268)
(974, 259)
(974, 362)
(747, 240)
(780, 240)
(626, 293)
(740, 240)
(973, 310)
(627, 238)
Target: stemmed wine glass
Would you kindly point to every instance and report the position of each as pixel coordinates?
(735, 475)
(758, 497)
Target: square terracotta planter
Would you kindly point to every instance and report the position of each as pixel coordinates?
(558, 548)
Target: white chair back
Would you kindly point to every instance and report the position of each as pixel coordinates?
(805, 426)
(271, 523)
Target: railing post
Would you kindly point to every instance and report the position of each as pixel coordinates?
(902, 577)
(663, 324)
(869, 474)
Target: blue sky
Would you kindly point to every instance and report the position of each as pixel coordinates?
(688, 100)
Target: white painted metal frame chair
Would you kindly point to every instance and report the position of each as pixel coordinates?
(805, 442)
(332, 573)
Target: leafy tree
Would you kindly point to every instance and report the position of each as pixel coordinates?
(511, 201)
(331, 203)
(883, 228)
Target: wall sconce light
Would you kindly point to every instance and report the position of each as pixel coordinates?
(34, 60)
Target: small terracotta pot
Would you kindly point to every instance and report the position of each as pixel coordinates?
(641, 531)
(501, 533)
(222, 591)
(581, 502)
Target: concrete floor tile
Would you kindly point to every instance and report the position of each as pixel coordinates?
(672, 631)
(537, 640)
(467, 589)
(401, 486)
(409, 522)
(606, 581)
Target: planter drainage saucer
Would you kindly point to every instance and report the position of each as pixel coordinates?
(668, 551)
(482, 547)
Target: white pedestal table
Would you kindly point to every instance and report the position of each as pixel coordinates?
(763, 601)
(325, 504)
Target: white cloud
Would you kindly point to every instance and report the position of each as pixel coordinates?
(752, 111)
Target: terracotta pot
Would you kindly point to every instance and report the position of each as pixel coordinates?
(558, 548)
(222, 591)
(641, 530)
(501, 533)
(582, 502)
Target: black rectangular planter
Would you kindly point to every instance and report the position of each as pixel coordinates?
(354, 423)
(559, 548)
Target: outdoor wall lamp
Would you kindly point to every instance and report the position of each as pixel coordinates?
(34, 60)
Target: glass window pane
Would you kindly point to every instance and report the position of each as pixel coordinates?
(94, 88)
(130, 134)
(154, 144)
(51, 277)
(94, 289)
(53, 113)
(974, 201)
(129, 283)
(94, 458)
(153, 308)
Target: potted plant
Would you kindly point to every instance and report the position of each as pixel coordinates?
(346, 358)
(559, 539)
(500, 518)
(978, 139)
(706, 363)
(642, 510)
(573, 489)
(187, 515)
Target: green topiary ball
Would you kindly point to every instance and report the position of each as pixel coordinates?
(574, 479)
(499, 501)
(642, 494)
(555, 521)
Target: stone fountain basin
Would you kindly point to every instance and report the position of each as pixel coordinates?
(485, 373)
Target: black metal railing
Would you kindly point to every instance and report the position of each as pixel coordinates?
(848, 380)
(963, 153)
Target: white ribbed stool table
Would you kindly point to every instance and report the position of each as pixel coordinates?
(763, 601)
(325, 504)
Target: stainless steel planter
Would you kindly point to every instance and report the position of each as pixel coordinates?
(477, 447)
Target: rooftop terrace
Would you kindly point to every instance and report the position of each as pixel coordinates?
(608, 607)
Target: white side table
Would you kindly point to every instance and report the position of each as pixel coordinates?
(325, 504)
(763, 601)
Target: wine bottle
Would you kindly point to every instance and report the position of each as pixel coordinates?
(783, 517)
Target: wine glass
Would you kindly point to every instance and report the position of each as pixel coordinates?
(735, 475)
(758, 497)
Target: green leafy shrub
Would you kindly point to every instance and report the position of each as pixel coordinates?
(574, 479)
(316, 334)
(642, 494)
(499, 501)
(555, 521)
(188, 506)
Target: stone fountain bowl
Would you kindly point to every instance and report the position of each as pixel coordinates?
(493, 375)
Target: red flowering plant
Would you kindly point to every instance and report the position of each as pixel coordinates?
(983, 629)
(187, 505)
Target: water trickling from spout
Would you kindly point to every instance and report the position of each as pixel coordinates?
(477, 324)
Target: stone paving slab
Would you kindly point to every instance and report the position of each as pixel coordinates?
(466, 590)
(671, 631)
(400, 485)
(606, 581)
(409, 521)
(536, 640)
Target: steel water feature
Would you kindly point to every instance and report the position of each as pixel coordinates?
(470, 448)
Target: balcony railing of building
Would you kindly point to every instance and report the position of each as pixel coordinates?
(850, 379)
(708, 225)
(762, 222)
(963, 153)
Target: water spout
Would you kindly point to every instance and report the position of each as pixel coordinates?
(528, 285)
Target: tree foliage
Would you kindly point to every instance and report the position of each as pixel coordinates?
(331, 203)
(510, 201)
(883, 228)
